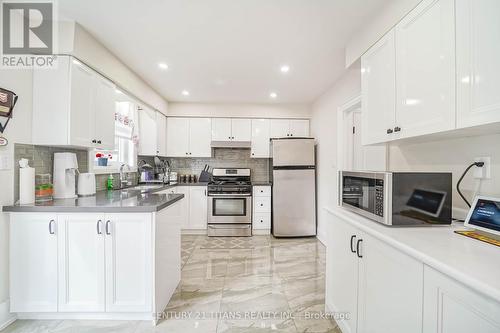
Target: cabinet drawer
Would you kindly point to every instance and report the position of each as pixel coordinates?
(262, 221)
(262, 205)
(262, 191)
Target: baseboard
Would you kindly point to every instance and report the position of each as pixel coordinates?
(261, 232)
(194, 232)
(322, 238)
(6, 318)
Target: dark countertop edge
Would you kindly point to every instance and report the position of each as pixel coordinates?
(262, 184)
(62, 209)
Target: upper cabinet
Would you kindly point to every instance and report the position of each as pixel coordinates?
(478, 66)
(231, 129)
(189, 137)
(281, 128)
(425, 70)
(76, 103)
(161, 128)
(378, 86)
(260, 138)
(152, 132)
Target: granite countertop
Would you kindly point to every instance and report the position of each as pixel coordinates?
(126, 200)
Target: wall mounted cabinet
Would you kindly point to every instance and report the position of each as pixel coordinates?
(282, 128)
(152, 132)
(260, 138)
(231, 129)
(73, 106)
(189, 137)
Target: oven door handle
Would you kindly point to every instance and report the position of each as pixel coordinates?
(229, 195)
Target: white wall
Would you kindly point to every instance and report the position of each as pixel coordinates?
(454, 156)
(324, 129)
(379, 24)
(239, 110)
(18, 130)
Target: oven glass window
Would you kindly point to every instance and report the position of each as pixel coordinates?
(229, 207)
(359, 192)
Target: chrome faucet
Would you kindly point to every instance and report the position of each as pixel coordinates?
(123, 178)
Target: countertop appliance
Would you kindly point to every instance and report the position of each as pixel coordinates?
(398, 198)
(65, 168)
(294, 187)
(230, 203)
(86, 184)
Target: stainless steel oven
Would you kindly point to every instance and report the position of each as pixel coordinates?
(229, 208)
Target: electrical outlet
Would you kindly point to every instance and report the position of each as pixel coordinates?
(485, 171)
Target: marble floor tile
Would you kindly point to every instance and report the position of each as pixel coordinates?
(179, 325)
(32, 326)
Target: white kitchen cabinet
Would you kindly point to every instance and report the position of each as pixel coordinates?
(177, 137)
(281, 128)
(342, 272)
(478, 68)
(161, 129)
(199, 137)
(389, 289)
(231, 129)
(81, 263)
(378, 86)
(380, 287)
(260, 138)
(198, 211)
(128, 244)
(425, 70)
(33, 253)
(450, 307)
(184, 218)
(148, 132)
(261, 216)
(221, 129)
(73, 105)
(299, 128)
(189, 137)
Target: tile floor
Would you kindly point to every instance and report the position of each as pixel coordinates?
(258, 284)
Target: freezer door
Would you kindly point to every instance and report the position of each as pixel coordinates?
(293, 152)
(294, 203)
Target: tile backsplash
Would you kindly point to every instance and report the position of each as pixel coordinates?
(221, 158)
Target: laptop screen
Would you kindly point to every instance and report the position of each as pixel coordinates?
(486, 214)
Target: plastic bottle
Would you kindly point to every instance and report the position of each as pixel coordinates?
(109, 182)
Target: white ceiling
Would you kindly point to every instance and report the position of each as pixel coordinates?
(228, 50)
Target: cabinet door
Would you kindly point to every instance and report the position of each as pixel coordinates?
(221, 129)
(81, 263)
(200, 135)
(177, 137)
(425, 69)
(82, 117)
(299, 128)
(241, 129)
(104, 108)
(390, 289)
(128, 263)
(198, 207)
(378, 91)
(260, 138)
(161, 128)
(184, 209)
(148, 136)
(478, 68)
(33, 263)
(450, 307)
(280, 128)
(342, 272)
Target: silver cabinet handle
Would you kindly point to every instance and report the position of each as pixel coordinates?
(357, 248)
(108, 232)
(99, 230)
(51, 229)
(352, 246)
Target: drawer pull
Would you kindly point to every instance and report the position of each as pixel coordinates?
(352, 245)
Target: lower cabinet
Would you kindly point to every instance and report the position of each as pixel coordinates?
(261, 212)
(194, 207)
(379, 287)
(33, 253)
(81, 262)
(450, 307)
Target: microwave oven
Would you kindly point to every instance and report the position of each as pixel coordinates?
(398, 198)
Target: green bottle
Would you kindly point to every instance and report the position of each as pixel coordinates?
(109, 182)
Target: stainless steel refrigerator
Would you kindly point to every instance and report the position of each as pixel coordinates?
(294, 187)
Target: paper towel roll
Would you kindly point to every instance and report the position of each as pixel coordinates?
(26, 186)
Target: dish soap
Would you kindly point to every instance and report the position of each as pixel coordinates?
(109, 182)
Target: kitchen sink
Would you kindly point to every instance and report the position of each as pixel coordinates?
(147, 187)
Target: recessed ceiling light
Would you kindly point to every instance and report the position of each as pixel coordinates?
(273, 95)
(185, 93)
(284, 68)
(163, 65)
